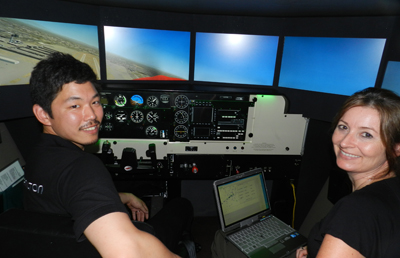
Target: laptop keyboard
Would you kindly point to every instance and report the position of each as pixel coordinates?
(264, 233)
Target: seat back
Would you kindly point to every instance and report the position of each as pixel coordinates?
(32, 234)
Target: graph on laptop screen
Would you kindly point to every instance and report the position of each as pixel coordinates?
(146, 54)
(23, 43)
(235, 58)
(330, 65)
(243, 198)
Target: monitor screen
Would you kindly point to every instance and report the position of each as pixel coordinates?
(330, 65)
(23, 43)
(146, 54)
(235, 58)
(391, 81)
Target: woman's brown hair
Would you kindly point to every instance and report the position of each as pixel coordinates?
(387, 103)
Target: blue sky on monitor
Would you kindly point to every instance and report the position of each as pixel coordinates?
(331, 65)
(391, 81)
(166, 50)
(235, 58)
(87, 34)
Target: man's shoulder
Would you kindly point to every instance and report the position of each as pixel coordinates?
(54, 151)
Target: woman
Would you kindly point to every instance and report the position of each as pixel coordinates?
(366, 142)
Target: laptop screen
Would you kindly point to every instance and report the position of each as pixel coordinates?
(243, 197)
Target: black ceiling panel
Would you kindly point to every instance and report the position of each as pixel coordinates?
(270, 8)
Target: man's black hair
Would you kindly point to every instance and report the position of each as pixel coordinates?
(50, 74)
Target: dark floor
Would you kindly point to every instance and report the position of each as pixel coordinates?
(203, 230)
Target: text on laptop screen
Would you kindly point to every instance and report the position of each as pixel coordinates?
(243, 198)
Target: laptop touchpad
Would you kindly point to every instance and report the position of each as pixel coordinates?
(276, 248)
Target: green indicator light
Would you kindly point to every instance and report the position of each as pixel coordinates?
(265, 97)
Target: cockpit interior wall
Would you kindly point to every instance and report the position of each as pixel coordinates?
(393, 52)
(15, 105)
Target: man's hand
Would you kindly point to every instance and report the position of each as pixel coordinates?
(139, 210)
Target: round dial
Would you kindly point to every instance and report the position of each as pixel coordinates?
(120, 100)
(181, 131)
(181, 101)
(181, 117)
(152, 101)
(151, 131)
(121, 116)
(108, 115)
(107, 127)
(152, 117)
(137, 116)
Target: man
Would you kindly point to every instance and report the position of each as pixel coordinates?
(61, 178)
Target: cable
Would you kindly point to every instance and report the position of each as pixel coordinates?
(294, 203)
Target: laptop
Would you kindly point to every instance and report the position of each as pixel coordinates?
(244, 210)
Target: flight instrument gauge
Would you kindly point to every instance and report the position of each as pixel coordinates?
(164, 98)
(108, 115)
(107, 127)
(181, 101)
(152, 117)
(136, 100)
(181, 117)
(121, 116)
(151, 131)
(180, 131)
(120, 100)
(137, 116)
(152, 101)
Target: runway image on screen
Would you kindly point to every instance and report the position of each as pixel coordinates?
(243, 198)
(23, 43)
(146, 54)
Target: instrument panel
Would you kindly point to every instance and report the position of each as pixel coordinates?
(175, 116)
(176, 134)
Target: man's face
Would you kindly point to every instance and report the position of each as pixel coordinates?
(77, 114)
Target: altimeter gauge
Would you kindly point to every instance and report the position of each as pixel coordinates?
(181, 117)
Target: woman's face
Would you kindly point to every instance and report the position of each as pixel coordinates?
(357, 142)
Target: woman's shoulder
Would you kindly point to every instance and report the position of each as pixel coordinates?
(379, 195)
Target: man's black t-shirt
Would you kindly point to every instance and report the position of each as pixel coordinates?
(62, 179)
